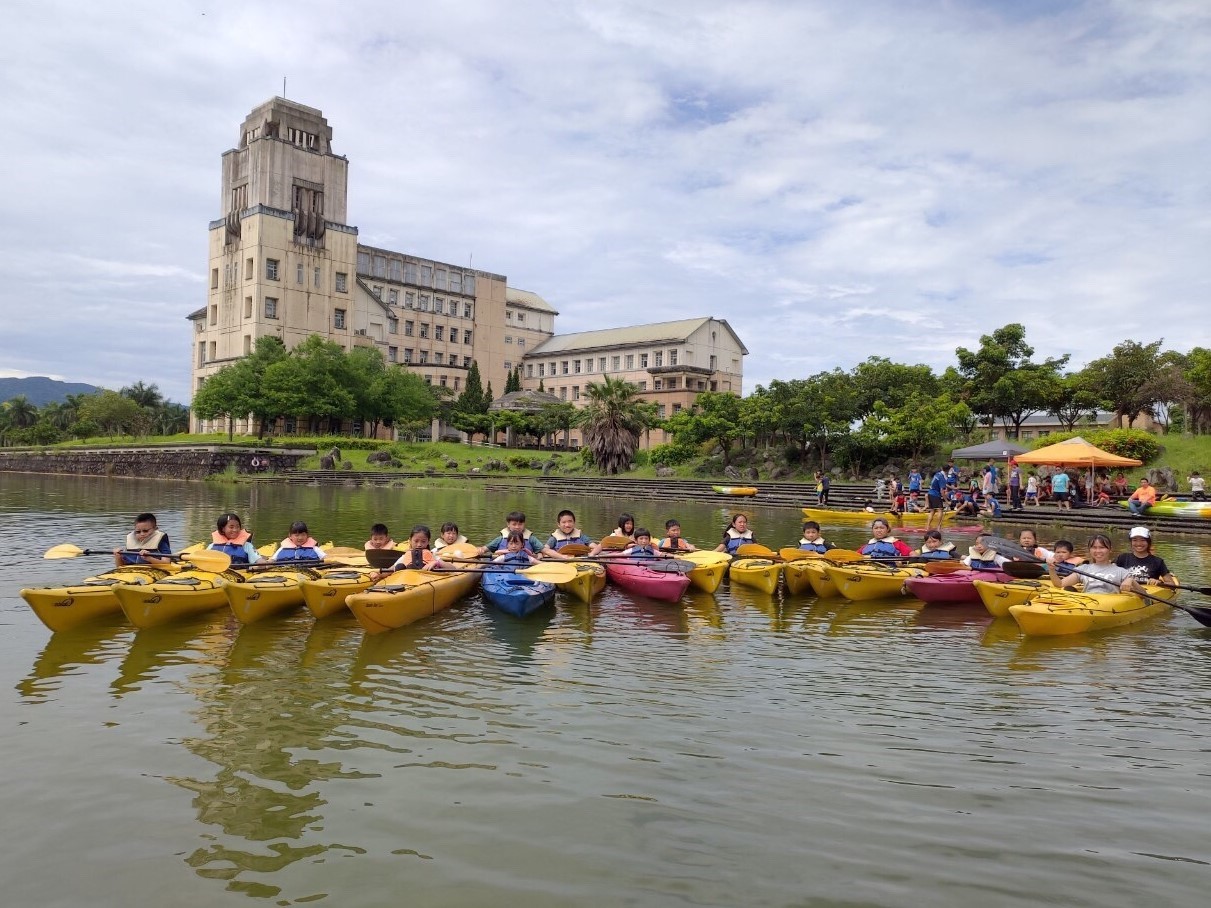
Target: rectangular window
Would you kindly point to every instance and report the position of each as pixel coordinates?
(363, 263)
(426, 275)
(439, 333)
(396, 270)
(676, 408)
(248, 307)
(378, 292)
(541, 372)
(563, 367)
(437, 358)
(424, 329)
(247, 344)
(660, 412)
(469, 285)
(342, 282)
(509, 315)
(214, 278)
(575, 392)
(380, 266)
(439, 305)
(338, 318)
(271, 307)
(466, 362)
(601, 364)
(407, 354)
(521, 318)
(643, 360)
(443, 381)
(455, 381)
(248, 269)
(658, 358)
(409, 300)
(615, 362)
(671, 384)
(521, 342)
(714, 362)
(214, 315)
(214, 352)
(393, 297)
(317, 276)
(392, 354)
(456, 285)
(588, 364)
(408, 328)
(424, 356)
(672, 357)
(529, 370)
(299, 273)
(439, 279)
(410, 272)
(466, 335)
(424, 302)
(630, 361)
(271, 269)
(656, 385)
(643, 386)
(393, 326)
(201, 353)
(508, 338)
(576, 367)
(563, 393)
(467, 310)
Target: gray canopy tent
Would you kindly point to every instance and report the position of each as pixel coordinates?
(995, 449)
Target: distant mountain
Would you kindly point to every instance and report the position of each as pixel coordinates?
(41, 390)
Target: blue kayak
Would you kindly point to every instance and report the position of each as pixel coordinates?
(514, 594)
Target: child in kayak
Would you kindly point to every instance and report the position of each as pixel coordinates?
(981, 558)
(298, 546)
(882, 544)
(516, 552)
(737, 534)
(233, 540)
(380, 538)
(449, 536)
(643, 547)
(672, 541)
(515, 521)
(932, 546)
(811, 540)
(417, 557)
(567, 533)
(144, 544)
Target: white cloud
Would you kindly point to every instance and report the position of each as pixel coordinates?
(837, 180)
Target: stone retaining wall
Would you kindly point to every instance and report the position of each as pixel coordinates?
(186, 462)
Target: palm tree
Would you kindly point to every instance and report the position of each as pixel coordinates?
(611, 423)
(19, 412)
(147, 396)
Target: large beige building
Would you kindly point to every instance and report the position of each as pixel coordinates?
(669, 363)
(284, 261)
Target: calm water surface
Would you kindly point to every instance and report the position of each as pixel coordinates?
(734, 750)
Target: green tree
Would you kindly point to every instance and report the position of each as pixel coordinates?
(473, 400)
(878, 379)
(714, 416)
(19, 413)
(146, 396)
(1198, 374)
(1121, 379)
(314, 380)
(554, 418)
(1001, 380)
(916, 427)
(611, 423)
(1071, 400)
(225, 394)
(115, 414)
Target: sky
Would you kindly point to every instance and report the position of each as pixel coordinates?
(839, 179)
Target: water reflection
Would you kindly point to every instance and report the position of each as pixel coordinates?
(67, 653)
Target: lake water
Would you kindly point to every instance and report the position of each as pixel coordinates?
(734, 750)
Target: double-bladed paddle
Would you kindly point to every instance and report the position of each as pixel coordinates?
(1013, 550)
(204, 559)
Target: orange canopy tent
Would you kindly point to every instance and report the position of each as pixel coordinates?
(1076, 452)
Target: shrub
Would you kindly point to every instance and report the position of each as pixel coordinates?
(670, 455)
(1129, 443)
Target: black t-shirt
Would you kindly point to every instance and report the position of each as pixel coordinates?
(1150, 567)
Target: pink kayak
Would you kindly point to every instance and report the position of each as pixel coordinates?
(656, 580)
(952, 589)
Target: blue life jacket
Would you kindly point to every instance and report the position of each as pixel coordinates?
(520, 559)
(940, 554)
(818, 546)
(733, 541)
(296, 554)
(642, 551)
(880, 548)
(234, 550)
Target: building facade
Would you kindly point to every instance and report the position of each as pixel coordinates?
(284, 261)
(669, 363)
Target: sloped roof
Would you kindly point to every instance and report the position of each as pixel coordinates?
(635, 335)
(528, 300)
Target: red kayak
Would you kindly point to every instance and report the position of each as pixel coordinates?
(952, 589)
(654, 579)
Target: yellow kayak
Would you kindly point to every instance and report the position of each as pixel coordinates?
(759, 573)
(709, 569)
(61, 608)
(590, 580)
(740, 491)
(998, 597)
(259, 594)
(408, 596)
(811, 571)
(859, 582)
(171, 598)
(1051, 614)
(325, 594)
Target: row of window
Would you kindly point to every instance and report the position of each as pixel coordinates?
(425, 357)
(415, 273)
(439, 331)
(422, 301)
(616, 363)
(273, 272)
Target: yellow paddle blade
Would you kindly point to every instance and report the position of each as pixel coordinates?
(753, 550)
(64, 550)
(844, 555)
(790, 553)
(344, 552)
(616, 543)
(206, 560)
(458, 550)
(550, 572)
(574, 548)
(704, 559)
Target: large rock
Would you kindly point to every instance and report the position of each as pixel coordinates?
(731, 472)
(663, 472)
(753, 473)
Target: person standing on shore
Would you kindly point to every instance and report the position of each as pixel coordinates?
(936, 500)
(1198, 486)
